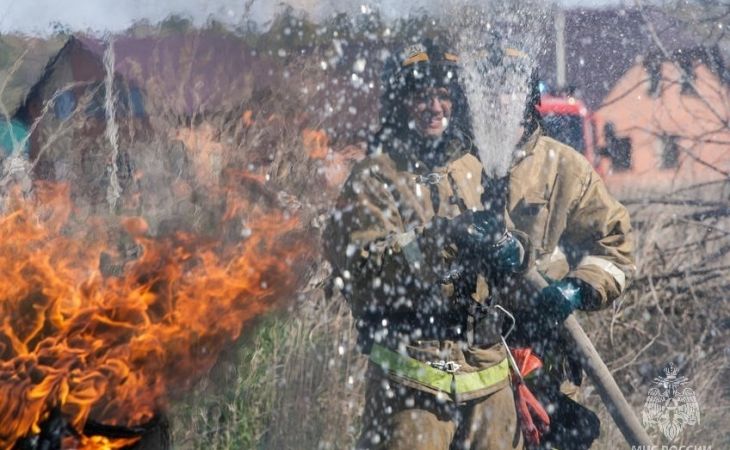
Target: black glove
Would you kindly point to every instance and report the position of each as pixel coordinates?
(486, 241)
(465, 230)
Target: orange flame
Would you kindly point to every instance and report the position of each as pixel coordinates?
(113, 349)
(100, 443)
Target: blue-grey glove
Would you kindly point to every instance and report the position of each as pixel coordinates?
(489, 242)
(481, 239)
(508, 254)
(558, 300)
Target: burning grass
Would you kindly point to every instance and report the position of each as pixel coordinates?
(115, 348)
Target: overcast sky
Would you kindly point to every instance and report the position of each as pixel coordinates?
(35, 16)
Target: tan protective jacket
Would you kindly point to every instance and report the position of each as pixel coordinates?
(555, 197)
(576, 227)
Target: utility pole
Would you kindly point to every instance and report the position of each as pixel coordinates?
(560, 47)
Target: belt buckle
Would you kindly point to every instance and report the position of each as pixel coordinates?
(446, 366)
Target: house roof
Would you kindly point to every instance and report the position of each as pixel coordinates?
(184, 73)
(21, 65)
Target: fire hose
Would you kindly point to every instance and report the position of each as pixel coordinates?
(494, 198)
(597, 371)
(621, 412)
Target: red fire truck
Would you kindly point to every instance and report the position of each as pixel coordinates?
(567, 119)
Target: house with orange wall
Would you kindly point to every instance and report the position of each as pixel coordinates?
(665, 123)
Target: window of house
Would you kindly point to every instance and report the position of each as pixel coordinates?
(621, 156)
(126, 102)
(64, 105)
(688, 77)
(653, 67)
(655, 78)
(618, 149)
(669, 151)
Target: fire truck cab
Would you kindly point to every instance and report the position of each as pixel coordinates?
(567, 119)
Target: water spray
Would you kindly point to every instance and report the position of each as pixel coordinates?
(497, 56)
(112, 130)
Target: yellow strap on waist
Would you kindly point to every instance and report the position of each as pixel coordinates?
(452, 383)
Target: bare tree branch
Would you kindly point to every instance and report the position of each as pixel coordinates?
(662, 48)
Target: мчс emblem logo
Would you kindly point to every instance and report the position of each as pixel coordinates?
(670, 406)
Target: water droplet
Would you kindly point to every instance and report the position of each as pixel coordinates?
(339, 283)
(359, 65)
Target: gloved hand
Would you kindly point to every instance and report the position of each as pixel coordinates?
(558, 300)
(481, 241)
(442, 232)
(507, 255)
(488, 242)
(484, 227)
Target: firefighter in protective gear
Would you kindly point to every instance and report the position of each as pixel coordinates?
(583, 244)
(438, 375)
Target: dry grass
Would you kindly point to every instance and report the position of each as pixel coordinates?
(295, 384)
(676, 311)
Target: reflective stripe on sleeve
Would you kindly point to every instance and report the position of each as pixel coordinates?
(404, 239)
(607, 266)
